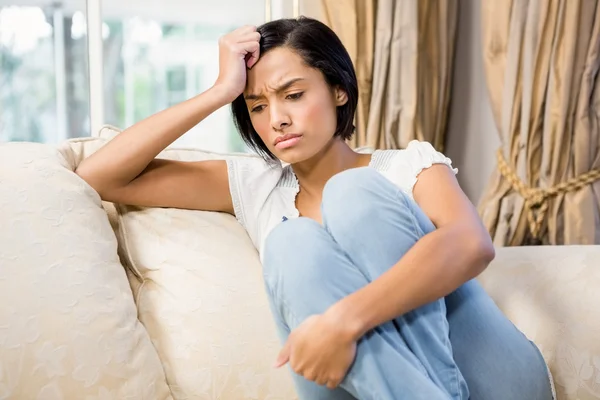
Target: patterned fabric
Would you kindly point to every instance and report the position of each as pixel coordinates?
(198, 285)
(552, 294)
(203, 303)
(68, 323)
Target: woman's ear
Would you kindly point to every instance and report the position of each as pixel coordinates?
(341, 97)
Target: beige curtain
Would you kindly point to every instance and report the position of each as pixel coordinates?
(542, 59)
(354, 22)
(403, 52)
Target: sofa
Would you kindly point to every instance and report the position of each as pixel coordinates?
(106, 301)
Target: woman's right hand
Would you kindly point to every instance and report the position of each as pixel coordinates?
(238, 50)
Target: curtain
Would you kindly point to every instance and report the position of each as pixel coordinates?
(354, 22)
(403, 53)
(542, 60)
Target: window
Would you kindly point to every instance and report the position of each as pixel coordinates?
(44, 94)
(154, 54)
(161, 53)
(176, 85)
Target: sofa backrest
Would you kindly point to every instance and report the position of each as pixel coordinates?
(197, 281)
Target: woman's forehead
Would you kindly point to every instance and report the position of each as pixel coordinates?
(275, 68)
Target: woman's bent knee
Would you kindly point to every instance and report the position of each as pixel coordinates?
(356, 195)
(348, 189)
(361, 200)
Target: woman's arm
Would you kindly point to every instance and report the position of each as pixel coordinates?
(441, 261)
(125, 170)
(126, 156)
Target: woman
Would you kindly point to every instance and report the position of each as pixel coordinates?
(368, 259)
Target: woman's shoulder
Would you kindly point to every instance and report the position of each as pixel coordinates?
(417, 156)
(403, 166)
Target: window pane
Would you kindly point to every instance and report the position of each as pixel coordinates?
(160, 53)
(44, 95)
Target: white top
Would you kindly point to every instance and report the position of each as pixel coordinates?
(263, 192)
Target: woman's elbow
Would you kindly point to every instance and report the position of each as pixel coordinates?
(92, 180)
(487, 252)
(482, 252)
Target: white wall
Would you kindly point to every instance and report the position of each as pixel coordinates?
(472, 138)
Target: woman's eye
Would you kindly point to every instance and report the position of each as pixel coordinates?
(257, 108)
(294, 96)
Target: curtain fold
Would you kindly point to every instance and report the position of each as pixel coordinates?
(542, 60)
(354, 22)
(403, 52)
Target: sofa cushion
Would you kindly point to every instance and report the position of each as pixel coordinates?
(68, 322)
(552, 294)
(200, 295)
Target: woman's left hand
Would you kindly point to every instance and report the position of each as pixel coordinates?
(320, 350)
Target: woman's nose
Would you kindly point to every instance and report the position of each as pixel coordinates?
(279, 119)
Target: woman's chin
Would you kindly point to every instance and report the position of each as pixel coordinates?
(295, 155)
(290, 157)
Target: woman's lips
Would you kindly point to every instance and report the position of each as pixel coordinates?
(287, 141)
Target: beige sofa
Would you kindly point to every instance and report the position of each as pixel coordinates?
(103, 302)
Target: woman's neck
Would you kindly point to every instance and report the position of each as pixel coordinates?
(336, 157)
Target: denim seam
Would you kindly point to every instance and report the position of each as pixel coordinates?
(271, 293)
(456, 387)
(283, 303)
(416, 227)
(343, 251)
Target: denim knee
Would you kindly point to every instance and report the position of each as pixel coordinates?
(348, 192)
(361, 195)
(343, 187)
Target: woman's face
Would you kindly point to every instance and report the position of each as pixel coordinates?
(291, 106)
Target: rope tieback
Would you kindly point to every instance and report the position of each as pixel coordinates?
(536, 199)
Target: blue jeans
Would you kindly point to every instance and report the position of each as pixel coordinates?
(457, 347)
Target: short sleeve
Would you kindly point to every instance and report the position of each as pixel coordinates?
(251, 181)
(407, 164)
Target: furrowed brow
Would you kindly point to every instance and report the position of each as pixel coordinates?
(281, 88)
